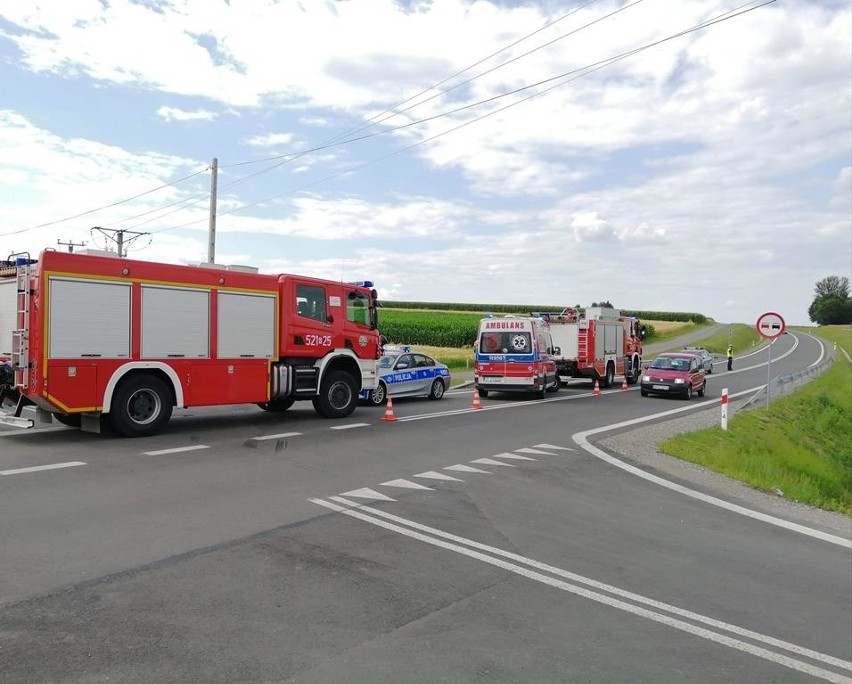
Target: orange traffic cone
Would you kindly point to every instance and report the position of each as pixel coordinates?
(597, 389)
(624, 384)
(389, 410)
(476, 404)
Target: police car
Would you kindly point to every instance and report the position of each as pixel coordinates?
(403, 373)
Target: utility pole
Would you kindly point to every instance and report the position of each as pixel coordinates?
(71, 245)
(211, 230)
(118, 237)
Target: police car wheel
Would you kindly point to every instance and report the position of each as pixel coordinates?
(378, 395)
(437, 390)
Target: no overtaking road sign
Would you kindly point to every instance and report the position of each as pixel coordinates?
(770, 325)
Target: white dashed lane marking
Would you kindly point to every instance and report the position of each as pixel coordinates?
(35, 469)
(283, 435)
(176, 450)
(350, 426)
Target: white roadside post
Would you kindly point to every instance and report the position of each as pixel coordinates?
(725, 408)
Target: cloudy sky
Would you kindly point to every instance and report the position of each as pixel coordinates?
(502, 151)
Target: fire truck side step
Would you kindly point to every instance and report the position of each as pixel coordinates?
(307, 379)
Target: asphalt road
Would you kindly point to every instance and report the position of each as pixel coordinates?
(450, 545)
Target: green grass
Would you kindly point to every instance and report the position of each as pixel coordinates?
(743, 337)
(801, 445)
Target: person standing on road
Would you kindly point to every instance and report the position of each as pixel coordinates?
(730, 357)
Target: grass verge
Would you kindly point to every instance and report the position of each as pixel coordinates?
(801, 445)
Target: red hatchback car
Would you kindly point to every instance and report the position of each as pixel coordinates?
(678, 374)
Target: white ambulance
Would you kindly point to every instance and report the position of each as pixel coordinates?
(514, 354)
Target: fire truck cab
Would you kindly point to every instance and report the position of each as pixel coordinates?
(92, 336)
(514, 354)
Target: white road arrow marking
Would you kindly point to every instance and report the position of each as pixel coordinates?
(367, 493)
(466, 469)
(515, 457)
(406, 484)
(491, 461)
(432, 475)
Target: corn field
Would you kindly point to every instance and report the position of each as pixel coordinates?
(434, 328)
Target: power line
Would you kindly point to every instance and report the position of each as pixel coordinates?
(395, 111)
(107, 206)
(336, 140)
(574, 74)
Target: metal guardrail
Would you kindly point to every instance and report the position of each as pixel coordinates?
(782, 385)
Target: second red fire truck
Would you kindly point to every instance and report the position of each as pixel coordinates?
(598, 345)
(90, 337)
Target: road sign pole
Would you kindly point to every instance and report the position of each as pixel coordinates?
(768, 370)
(725, 408)
(770, 326)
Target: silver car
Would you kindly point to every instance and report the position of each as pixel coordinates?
(705, 356)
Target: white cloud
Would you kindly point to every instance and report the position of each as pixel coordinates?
(269, 139)
(175, 114)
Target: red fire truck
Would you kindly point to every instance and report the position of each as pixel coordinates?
(598, 345)
(96, 336)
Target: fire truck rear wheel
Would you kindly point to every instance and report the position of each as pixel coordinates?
(141, 406)
(633, 377)
(277, 405)
(338, 395)
(609, 377)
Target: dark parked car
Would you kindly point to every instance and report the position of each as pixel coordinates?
(677, 374)
(705, 356)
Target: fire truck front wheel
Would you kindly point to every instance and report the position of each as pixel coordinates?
(338, 395)
(141, 406)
